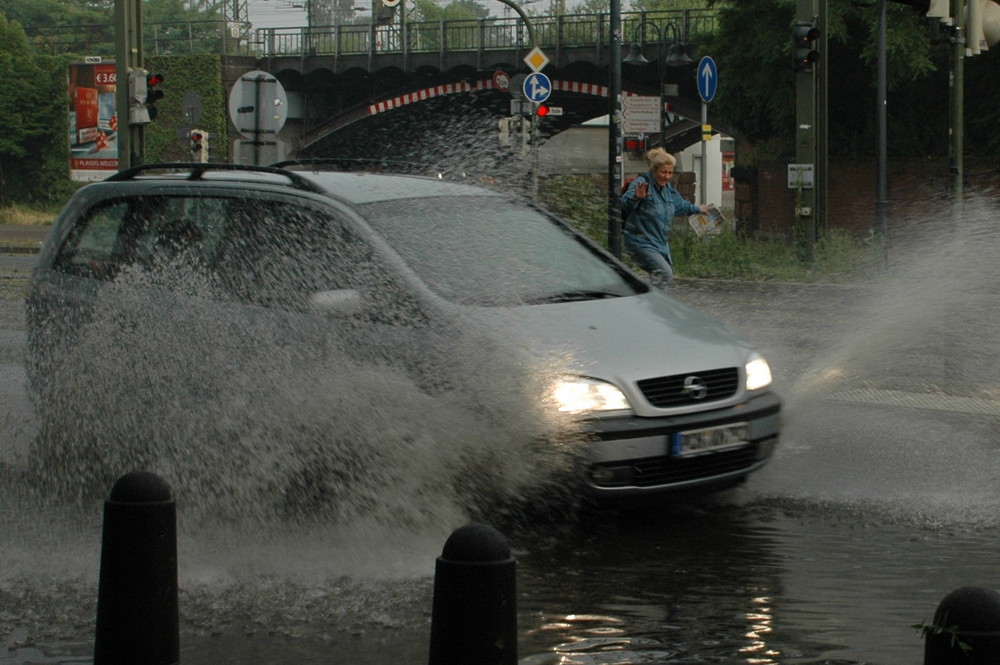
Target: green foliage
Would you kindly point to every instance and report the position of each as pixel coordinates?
(927, 629)
(838, 256)
(580, 200)
(32, 105)
(201, 74)
(40, 13)
(456, 10)
(757, 82)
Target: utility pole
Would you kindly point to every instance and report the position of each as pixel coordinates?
(128, 57)
(957, 106)
(615, 129)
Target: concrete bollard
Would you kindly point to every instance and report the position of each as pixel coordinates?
(474, 617)
(968, 616)
(137, 609)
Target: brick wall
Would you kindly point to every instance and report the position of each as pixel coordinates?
(764, 204)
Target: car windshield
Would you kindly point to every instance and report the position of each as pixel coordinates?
(491, 251)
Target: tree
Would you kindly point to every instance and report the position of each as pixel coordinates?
(33, 108)
(757, 86)
(46, 13)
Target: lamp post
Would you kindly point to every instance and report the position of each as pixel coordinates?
(614, 127)
(676, 55)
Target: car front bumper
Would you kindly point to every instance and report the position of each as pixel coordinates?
(632, 457)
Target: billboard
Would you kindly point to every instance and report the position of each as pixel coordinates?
(93, 121)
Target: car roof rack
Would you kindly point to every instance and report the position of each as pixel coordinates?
(197, 170)
(368, 164)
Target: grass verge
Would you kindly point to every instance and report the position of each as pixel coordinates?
(837, 257)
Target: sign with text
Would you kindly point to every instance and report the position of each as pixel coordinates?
(642, 115)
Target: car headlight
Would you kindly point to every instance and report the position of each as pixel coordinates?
(578, 394)
(758, 372)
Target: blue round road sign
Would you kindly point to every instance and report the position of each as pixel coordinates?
(708, 79)
(537, 87)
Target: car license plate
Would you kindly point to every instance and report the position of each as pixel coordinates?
(708, 439)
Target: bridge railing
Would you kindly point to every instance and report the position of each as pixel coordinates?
(553, 33)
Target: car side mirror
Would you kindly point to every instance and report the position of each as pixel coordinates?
(338, 302)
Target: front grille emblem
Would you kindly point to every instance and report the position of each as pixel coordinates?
(695, 388)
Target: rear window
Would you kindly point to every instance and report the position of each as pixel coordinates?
(490, 251)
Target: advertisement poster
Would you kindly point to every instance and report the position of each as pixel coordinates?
(93, 121)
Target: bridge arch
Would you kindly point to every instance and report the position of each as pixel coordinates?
(338, 106)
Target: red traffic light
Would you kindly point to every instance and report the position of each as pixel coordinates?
(196, 136)
(542, 110)
(154, 79)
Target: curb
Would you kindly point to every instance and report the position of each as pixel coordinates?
(20, 249)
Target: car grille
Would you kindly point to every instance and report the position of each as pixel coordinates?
(670, 391)
(665, 470)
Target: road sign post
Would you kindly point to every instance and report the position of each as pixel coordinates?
(708, 84)
(258, 107)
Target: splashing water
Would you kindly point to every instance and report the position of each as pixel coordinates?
(253, 417)
(929, 323)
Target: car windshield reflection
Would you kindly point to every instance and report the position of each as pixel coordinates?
(489, 251)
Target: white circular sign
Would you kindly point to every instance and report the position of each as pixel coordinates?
(501, 81)
(258, 105)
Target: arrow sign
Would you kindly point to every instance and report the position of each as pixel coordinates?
(537, 87)
(708, 79)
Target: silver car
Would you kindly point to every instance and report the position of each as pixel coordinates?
(667, 398)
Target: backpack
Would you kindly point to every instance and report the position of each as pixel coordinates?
(628, 181)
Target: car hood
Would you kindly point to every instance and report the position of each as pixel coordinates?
(624, 339)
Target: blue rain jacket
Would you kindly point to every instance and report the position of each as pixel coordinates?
(648, 221)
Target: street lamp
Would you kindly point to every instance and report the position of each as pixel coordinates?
(677, 55)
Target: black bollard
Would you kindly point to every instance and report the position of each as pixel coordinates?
(966, 629)
(137, 610)
(474, 618)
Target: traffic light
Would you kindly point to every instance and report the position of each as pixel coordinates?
(138, 114)
(153, 93)
(804, 36)
(143, 93)
(199, 145)
(541, 110)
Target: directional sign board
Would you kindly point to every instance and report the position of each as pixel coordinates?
(708, 79)
(641, 114)
(537, 87)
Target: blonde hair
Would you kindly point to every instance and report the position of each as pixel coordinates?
(658, 157)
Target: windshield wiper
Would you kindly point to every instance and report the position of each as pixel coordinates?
(571, 296)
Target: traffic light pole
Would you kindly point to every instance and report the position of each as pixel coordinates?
(128, 56)
(957, 107)
(811, 125)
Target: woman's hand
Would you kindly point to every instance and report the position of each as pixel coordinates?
(642, 190)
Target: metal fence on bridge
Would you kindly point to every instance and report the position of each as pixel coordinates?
(553, 33)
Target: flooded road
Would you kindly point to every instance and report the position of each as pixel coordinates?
(880, 501)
